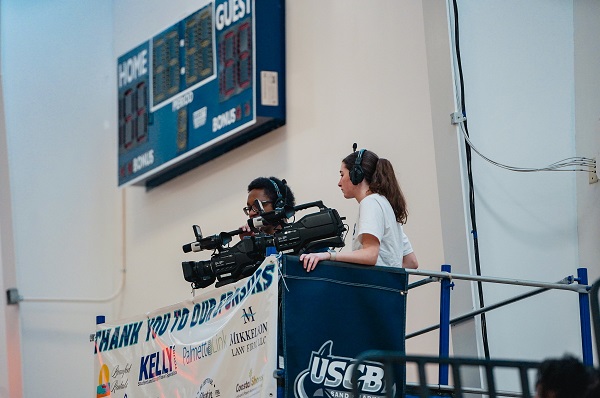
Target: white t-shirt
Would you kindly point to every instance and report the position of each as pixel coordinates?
(376, 217)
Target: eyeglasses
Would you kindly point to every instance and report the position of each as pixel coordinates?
(253, 208)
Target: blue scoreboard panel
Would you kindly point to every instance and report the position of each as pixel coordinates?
(199, 88)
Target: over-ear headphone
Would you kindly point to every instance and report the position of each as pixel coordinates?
(356, 173)
(280, 202)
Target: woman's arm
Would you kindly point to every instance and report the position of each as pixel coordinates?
(367, 255)
(410, 261)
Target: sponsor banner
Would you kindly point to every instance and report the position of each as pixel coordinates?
(333, 314)
(222, 343)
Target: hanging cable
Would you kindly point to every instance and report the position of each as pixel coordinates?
(573, 164)
(460, 99)
(569, 164)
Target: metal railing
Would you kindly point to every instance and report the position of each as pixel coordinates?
(587, 295)
(445, 278)
(594, 302)
(392, 361)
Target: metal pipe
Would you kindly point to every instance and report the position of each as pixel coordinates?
(474, 313)
(444, 348)
(472, 390)
(584, 316)
(421, 283)
(572, 287)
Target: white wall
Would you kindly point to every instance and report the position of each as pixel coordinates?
(58, 77)
(519, 71)
(356, 72)
(587, 129)
(59, 72)
(11, 380)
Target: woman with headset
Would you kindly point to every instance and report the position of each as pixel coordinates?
(378, 238)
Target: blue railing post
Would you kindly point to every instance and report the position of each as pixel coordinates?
(444, 352)
(584, 316)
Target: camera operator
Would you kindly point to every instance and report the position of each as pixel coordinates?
(271, 193)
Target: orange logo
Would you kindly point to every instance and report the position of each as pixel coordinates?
(103, 389)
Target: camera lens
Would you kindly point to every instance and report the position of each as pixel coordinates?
(199, 273)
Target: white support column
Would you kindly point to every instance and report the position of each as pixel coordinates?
(464, 337)
(11, 377)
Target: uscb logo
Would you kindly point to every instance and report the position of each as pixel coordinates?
(328, 375)
(103, 389)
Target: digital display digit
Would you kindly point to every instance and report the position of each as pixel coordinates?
(133, 117)
(199, 47)
(235, 61)
(166, 65)
(142, 112)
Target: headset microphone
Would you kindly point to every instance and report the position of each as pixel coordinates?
(280, 202)
(357, 173)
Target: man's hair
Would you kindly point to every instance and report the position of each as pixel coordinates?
(266, 184)
(566, 377)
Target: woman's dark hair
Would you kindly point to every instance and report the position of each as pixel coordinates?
(266, 184)
(380, 176)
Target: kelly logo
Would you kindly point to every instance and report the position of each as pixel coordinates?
(328, 375)
(160, 363)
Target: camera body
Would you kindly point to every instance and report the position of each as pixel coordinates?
(229, 264)
(312, 232)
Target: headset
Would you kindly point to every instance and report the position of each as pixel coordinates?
(280, 202)
(356, 173)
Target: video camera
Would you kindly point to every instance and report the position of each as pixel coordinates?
(312, 232)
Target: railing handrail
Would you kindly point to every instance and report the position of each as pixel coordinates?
(548, 285)
(487, 308)
(446, 277)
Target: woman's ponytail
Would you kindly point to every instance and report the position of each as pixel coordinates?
(384, 182)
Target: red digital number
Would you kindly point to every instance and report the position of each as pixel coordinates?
(133, 116)
(235, 50)
(244, 56)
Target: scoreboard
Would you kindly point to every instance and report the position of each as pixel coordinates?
(199, 88)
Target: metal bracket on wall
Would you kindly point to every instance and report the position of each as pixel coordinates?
(593, 176)
(457, 117)
(12, 296)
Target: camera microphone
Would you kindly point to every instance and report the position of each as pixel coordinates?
(210, 242)
(257, 223)
(192, 247)
(273, 217)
